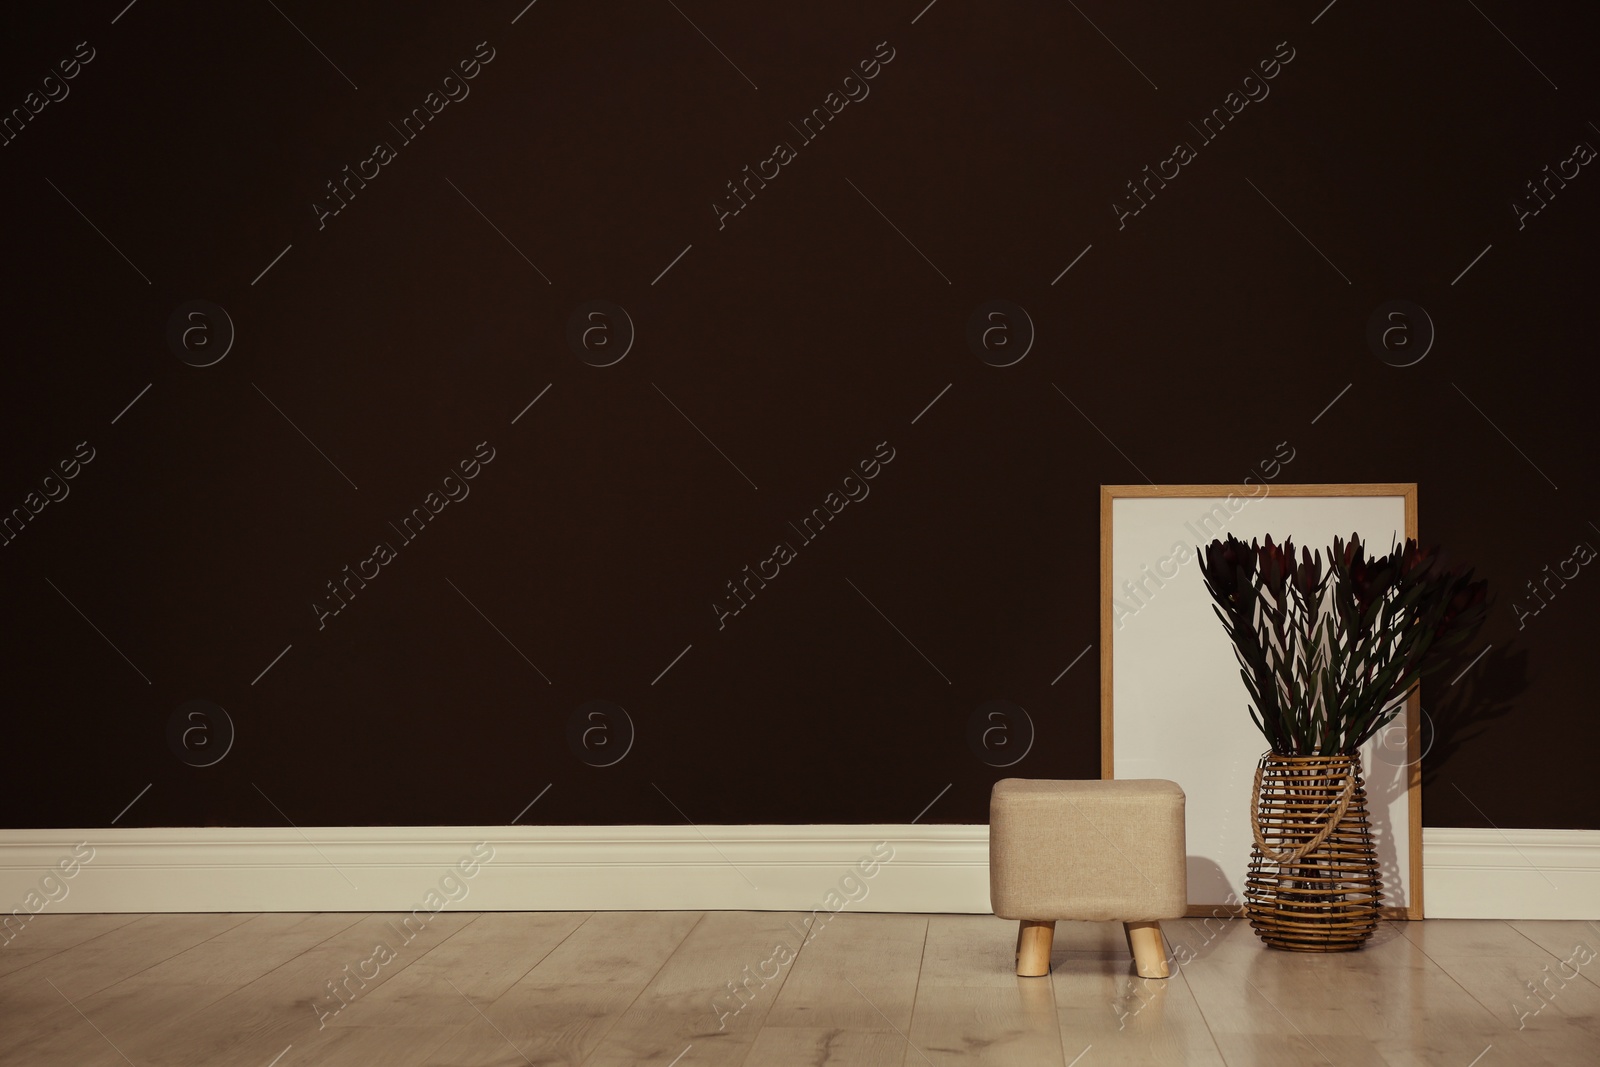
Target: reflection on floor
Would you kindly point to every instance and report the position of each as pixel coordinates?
(728, 988)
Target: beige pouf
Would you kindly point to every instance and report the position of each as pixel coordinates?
(1106, 851)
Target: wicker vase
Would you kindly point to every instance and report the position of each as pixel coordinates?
(1313, 884)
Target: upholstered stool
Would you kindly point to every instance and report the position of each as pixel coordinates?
(1107, 851)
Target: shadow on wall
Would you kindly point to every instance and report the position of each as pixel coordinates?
(1207, 881)
(1461, 712)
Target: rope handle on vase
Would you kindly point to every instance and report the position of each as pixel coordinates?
(1295, 855)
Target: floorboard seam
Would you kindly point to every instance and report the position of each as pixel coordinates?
(600, 1042)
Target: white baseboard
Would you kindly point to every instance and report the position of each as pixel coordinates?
(1510, 874)
(1545, 874)
(935, 868)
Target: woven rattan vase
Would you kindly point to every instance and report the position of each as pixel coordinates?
(1313, 884)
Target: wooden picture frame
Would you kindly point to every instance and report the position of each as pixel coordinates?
(1297, 504)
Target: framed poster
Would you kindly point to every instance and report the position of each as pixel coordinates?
(1172, 704)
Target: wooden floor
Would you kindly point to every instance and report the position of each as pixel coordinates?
(638, 988)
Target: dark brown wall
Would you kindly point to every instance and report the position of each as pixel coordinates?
(808, 329)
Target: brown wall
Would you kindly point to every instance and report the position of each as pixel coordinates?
(801, 336)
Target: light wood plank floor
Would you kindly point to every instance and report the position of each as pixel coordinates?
(743, 988)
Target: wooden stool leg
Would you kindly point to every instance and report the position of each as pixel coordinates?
(1034, 939)
(1149, 954)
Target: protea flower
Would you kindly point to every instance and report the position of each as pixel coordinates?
(1276, 561)
(1327, 669)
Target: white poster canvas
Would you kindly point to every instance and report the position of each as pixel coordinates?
(1178, 705)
